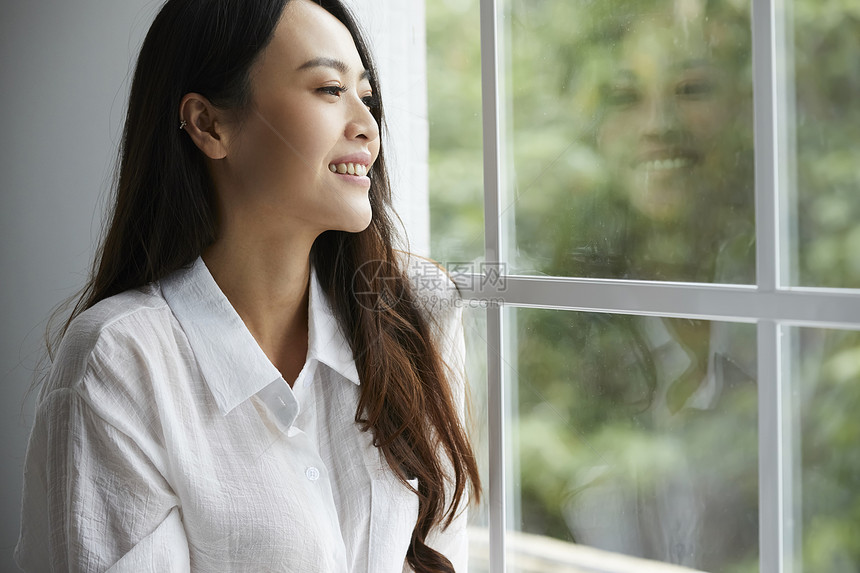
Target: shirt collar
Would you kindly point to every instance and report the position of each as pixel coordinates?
(232, 363)
(326, 341)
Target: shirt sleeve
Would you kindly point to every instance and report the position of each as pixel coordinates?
(93, 500)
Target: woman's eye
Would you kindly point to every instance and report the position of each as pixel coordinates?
(696, 89)
(332, 90)
(369, 101)
(621, 96)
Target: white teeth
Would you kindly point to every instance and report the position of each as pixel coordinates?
(664, 164)
(350, 168)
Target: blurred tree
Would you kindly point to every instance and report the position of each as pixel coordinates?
(456, 157)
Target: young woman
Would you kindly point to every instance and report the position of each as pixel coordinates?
(253, 379)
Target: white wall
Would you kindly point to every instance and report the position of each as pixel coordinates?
(65, 69)
(397, 33)
(63, 72)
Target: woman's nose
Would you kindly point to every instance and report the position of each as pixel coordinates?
(661, 116)
(362, 123)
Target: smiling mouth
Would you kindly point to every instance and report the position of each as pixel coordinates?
(666, 164)
(356, 169)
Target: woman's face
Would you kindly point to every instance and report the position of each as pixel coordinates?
(667, 111)
(300, 158)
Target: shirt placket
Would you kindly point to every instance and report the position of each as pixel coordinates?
(283, 405)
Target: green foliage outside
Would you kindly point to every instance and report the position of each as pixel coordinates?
(456, 157)
(622, 415)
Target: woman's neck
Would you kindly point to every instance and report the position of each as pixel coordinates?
(268, 286)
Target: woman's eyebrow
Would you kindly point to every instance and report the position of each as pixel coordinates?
(332, 63)
(624, 74)
(695, 63)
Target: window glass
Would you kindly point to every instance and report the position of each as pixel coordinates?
(454, 108)
(631, 143)
(827, 81)
(826, 394)
(475, 328)
(635, 436)
(629, 154)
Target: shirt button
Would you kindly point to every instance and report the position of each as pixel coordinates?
(312, 473)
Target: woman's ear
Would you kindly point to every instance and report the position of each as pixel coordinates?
(205, 124)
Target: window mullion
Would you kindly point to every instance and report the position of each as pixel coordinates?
(818, 308)
(766, 148)
(775, 477)
(492, 148)
(774, 451)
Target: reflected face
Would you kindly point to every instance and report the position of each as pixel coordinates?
(667, 109)
(300, 159)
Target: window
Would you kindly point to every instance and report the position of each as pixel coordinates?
(659, 206)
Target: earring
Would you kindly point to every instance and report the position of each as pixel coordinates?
(182, 124)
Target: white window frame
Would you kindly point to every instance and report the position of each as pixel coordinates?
(772, 303)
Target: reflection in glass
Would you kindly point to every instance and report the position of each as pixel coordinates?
(638, 435)
(632, 139)
(827, 81)
(826, 383)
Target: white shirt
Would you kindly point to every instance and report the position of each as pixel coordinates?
(165, 440)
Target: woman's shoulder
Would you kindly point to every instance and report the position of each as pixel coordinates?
(110, 330)
(433, 288)
(123, 314)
